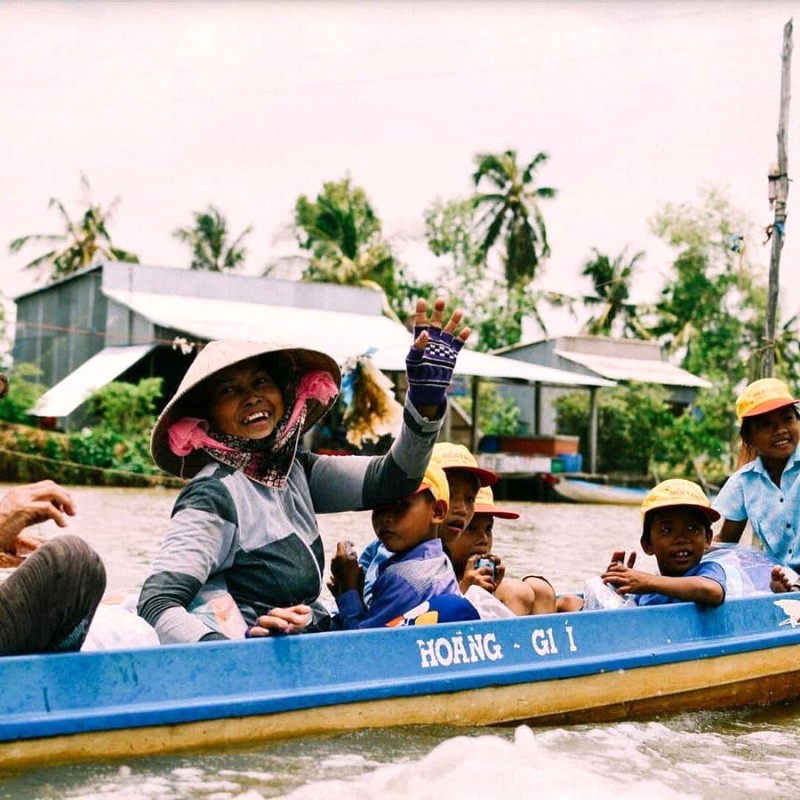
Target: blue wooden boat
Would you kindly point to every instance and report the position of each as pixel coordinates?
(580, 491)
(554, 669)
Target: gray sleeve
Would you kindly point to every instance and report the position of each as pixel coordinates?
(198, 541)
(349, 483)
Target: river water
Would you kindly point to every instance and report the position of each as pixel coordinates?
(751, 753)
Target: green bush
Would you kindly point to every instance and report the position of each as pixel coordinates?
(635, 424)
(23, 392)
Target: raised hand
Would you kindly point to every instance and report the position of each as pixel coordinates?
(432, 357)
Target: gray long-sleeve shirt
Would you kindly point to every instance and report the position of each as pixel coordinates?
(263, 544)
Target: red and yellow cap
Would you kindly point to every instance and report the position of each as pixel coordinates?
(484, 504)
(455, 456)
(763, 396)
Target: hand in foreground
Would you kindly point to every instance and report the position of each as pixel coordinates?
(346, 572)
(30, 505)
(432, 357)
(280, 621)
(482, 576)
(624, 578)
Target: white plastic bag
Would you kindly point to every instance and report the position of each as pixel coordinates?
(599, 595)
(113, 627)
(486, 604)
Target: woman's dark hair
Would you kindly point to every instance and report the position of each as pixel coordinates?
(281, 368)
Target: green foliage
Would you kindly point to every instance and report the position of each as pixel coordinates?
(342, 233)
(635, 424)
(83, 243)
(120, 439)
(497, 415)
(511, 213)
(126, 408)
(496, 310)
(706, 435)
(712, 308)
(23, 392)
(611, 281)
(209, 239)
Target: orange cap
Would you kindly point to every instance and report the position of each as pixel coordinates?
(763, 396)
(455, 456)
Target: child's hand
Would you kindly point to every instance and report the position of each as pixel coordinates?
(626, 580)
(481, 576)
(346, 572)
(618, 557)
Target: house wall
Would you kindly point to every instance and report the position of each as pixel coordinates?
(61, 326)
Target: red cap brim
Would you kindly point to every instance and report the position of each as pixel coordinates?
(496, 512)
(770, 405)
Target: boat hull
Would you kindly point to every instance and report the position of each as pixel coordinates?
(554, 669)
(587, 492)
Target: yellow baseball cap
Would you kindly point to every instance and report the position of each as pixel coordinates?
(455, 456)
(678, 492)
(484, 504)
(435, 480)
(763, 396)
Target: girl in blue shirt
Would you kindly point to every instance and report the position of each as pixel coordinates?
(765, 490)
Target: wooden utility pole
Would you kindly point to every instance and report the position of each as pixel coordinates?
(779, 189)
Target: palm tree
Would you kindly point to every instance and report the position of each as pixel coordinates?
(612, 280)
(209, 241)
(343, 234)
(511, 212)
(84, 242)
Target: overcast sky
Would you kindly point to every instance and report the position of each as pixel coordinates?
(171, 106)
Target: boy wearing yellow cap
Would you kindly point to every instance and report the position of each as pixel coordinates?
(417, 571)
(766, 489)
(464, 478)
(676, 529)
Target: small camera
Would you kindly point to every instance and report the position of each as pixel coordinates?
(485, 562)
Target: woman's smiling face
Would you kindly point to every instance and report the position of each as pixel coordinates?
(245, 401)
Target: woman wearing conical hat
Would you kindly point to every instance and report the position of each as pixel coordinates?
(246, 523)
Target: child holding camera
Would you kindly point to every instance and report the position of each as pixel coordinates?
(476, 564)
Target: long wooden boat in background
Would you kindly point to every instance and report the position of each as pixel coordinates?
(580, 491)
(552, 669)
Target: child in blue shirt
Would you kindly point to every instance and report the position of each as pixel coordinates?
(417, 571)
(766, 489)
(676, 529)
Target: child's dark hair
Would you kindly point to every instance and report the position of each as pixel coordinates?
(647, 524)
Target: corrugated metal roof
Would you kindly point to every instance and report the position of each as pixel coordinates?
(485, 365)
(635, 369)
(102, 368)
(342, 335)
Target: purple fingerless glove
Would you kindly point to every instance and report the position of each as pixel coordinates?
(429, 371)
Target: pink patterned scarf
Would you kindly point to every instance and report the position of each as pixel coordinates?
(266, 461)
